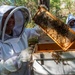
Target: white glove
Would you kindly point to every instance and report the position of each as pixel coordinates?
(26, 54)
(33, 32)
(13, 64)
(37, 29)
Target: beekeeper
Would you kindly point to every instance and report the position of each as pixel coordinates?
(14, 50)
(71, 21)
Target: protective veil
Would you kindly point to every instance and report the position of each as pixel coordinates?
(69, 19)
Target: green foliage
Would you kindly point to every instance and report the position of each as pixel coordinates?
(33, 41)
(55, 7)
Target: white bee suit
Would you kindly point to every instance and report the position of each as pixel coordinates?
(12, 60)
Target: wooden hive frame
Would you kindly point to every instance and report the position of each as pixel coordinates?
(58, 31)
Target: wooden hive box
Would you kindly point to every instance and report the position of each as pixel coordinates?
(51, 47)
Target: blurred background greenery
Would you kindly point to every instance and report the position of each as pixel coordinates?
(59, 8)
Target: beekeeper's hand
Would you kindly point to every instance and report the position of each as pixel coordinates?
(37, 29)
(13, 64)
(33, 32)
(25, 55)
